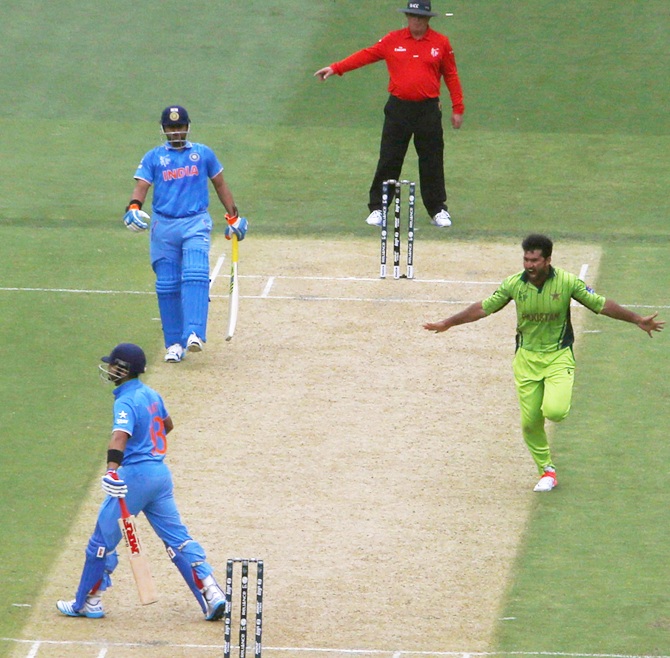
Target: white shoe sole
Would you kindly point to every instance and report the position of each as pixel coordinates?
(545, 484)
(65, 608)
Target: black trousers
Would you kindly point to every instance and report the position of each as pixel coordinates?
(402, 120)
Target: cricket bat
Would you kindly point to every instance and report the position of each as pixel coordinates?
(234, 295)
(138, 560)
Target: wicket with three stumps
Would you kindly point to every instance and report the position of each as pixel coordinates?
(397, 185)
(244, 601)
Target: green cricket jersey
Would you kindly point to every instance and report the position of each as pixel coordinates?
(543, 314)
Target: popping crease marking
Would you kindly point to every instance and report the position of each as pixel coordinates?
(334, 652)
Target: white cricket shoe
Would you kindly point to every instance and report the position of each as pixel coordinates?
(374, 218)
(92, 608)
(442, 219)
(194, 344)
(174, 354)
(547, 482)
(215, 601)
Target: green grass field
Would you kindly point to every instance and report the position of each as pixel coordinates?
(566, 131)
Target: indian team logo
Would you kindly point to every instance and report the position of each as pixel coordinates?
(194, 157)
(174, 115)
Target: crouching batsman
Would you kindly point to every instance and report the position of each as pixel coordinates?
(180, 171)
(544, 362)
(136, 472)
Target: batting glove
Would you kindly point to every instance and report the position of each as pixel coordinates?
(112, 486)
(134, 219)
(236, 226)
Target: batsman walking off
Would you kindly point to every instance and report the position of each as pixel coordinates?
(136, 471)
(181, 227)
(544, 362)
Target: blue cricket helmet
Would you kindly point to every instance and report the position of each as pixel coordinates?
(128, 356)
(175, 115)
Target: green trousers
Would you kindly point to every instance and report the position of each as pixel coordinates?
(544, 382)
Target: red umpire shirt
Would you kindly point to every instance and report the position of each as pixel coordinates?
(415, 66)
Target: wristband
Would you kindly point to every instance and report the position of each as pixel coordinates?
(115, 456)
(134, 204)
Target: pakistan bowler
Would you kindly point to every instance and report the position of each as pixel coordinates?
(544, 362)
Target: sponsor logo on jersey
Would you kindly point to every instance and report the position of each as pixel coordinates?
(400, 49)
(180, 172)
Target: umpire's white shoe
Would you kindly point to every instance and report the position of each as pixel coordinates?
(92, 608)
(374, 218)
(215, 601)
(174, 354)
(194, 344)
(442, 219)
(547, 482)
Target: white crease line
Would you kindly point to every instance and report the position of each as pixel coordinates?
(389, 300)
(268, 287)
(362, 652)
(583, 271)
(375, 300)
(309, 298)
(79, 291)
(33, 650)
(216, 270)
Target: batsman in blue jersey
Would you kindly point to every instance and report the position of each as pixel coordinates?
(180, 172)
(136, 471)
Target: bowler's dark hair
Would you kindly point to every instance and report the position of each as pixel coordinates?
(538, 242)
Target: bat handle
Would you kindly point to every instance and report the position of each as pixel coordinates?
(122, 503)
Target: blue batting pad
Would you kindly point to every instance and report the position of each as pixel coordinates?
(168, 291)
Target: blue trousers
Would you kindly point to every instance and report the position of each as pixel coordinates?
(150, 490)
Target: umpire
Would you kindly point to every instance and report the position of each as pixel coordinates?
(417, 58)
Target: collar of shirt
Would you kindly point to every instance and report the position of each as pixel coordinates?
(169, 147)
(425, 37)
(551, 275)
(127, 386)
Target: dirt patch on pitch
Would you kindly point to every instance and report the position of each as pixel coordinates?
(378, 469)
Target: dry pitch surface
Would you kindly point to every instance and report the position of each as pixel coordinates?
(378, 469)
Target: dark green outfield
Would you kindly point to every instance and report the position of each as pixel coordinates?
(567, 131)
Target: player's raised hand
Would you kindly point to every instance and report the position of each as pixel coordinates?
(650, 324)
(134, 219)
(113, 486)
(324, 73)
(236, 226)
